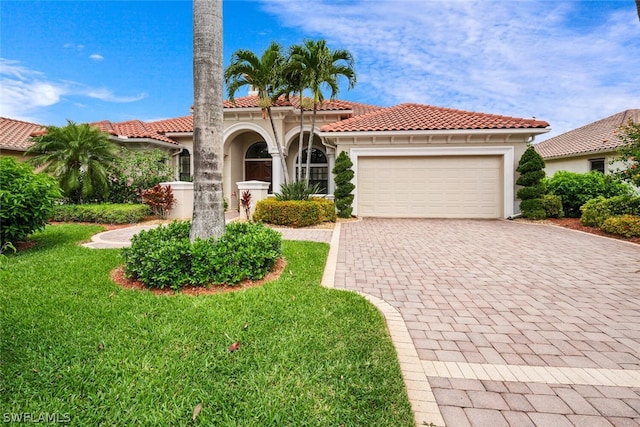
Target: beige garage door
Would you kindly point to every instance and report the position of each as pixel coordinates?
(430, 187)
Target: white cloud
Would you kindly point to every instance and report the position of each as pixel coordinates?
(74, 46)
(524, 58)
(26, 92)
(96, 57)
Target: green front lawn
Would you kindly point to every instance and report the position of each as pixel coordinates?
(72, 342)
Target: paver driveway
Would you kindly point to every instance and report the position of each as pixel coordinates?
(514, 324)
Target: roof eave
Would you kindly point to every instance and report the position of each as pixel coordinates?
(508, 131)
(581, 153)
(146, 140)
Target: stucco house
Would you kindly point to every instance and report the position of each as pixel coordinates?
(587, 148)
(410, 160)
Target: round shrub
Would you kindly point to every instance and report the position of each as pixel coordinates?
(164, 257)
(597, 210)
(27, 200)
(625, 225)
(552, 205)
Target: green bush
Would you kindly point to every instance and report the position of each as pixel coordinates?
(328, 209)
(344, 187)
(26, 200)
(597, 210)
(534, 209)
(576, 189)
(102, 214)
(625, 225)
(294, 213)
(164, 257)
(552, 205)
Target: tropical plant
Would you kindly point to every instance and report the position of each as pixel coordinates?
(264, 74)
(297, 190)
(629, 153)
(344, 187)
(78, 156)
(208, 199)
(321, 68)
(531, 169)
(160, 199)
(26, 198)
(135, 171)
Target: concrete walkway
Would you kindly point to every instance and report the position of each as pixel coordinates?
(498, 323)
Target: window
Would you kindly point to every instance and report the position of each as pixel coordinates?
(596, 165)
(185, 165)
(319, 170)
(259, 150)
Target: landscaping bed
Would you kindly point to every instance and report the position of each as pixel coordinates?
(575, 224)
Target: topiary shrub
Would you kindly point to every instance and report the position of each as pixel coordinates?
(531, 169)
(344, 187)
(107, 213)
(294, 213)
(576, 189)
(26, 200)
(164, 257)
(625, 225)
(598, 210)
(552, 205)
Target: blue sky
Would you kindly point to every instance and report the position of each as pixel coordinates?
(566, 62)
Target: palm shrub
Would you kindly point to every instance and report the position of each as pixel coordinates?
(296, 190)
(344, 187)
(531, 169)
(26, 200)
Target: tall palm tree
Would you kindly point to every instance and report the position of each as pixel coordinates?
(322, 68)
(79, 156)
(208, 200)
(264, 74)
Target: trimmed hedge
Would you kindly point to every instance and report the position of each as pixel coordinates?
(596, 211)
(625, 225)
(164, 257)
(552, 205)
(103, 213)
(294, 213)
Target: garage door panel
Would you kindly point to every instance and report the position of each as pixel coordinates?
(431, 187)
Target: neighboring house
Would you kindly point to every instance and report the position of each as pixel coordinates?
(15, 137)
(409, 160)
(588, 148)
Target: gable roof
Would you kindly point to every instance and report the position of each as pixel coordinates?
(16, 134)
(133, 129)
(596, 137)
(416, 117)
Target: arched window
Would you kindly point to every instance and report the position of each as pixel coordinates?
(258, 163)
(184, 166)
(319, 173)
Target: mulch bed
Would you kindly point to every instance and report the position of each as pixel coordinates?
(574, 223)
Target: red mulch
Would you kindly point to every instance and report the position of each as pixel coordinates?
(118, 277)
(574, 223)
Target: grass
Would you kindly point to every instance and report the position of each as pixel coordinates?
(72, 342)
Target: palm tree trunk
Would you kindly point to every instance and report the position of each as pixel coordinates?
(208, 199)
(301, 139)
(310, 142)
(283, 161)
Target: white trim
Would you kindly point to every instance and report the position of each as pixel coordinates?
(296, 131)
(249, 127)
(507, 154)
(517, 131)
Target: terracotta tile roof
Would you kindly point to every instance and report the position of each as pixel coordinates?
(406, 117)
(178, 124)
(133, 129)
(15, 134)
(595, 137)
(294, 101)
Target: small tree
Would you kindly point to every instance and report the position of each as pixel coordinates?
(343, 176)
(629, 153)
(135, 171)
(531, 169)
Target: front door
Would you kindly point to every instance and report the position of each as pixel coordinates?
(259, 170)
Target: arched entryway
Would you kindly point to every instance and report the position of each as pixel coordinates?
(258, 164)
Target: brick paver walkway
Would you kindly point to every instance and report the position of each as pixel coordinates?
(513, 324)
